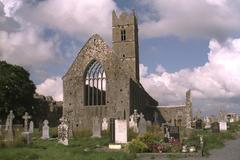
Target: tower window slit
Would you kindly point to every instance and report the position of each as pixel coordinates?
(123, 35)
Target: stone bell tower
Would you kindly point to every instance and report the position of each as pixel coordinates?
(125, 41)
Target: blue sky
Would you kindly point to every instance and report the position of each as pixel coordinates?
(185, 44)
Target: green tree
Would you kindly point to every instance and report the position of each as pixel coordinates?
(16, 91)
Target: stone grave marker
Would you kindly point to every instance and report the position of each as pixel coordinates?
(149, 124)
(135, 119)
(207, 123)
(131, 122)
(9, 126)
(27, 137)
(174, 132)
(166, 133)
(120, 131)
(215, 127)
(223, 126)
(31, 127)
(104, 124)
(45, 130)
(63, 132)
(199, 124)
(112, 130)
(142, 124)
(96, 128)
(26, 117)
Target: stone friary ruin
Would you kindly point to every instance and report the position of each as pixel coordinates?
(104, 82)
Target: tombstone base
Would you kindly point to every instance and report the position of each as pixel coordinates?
(115, 146)
(96, 136)
(64, 142)
(27, 137)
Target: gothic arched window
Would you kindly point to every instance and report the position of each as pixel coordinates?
(95, 84)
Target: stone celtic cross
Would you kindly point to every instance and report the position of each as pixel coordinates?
(135, 116)
(26, 117)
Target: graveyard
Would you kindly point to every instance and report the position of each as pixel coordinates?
(111, 140)
(100, 80)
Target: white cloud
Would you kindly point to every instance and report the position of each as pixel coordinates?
(51, 87)
(217, 80)
(190, 18)
(72, 16)
(26, 48)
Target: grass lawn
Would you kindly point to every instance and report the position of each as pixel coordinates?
(78, 149)
(214, 140)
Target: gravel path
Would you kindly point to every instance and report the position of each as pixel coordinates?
(231, 151)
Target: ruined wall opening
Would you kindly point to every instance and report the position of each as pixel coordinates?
(95, 84)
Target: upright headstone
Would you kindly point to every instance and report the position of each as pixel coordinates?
(135, 119)
(207, 123)
(31, 126)
(120, 131)
(215, 127)
(26, 117)
(199, 124)
(174, 132)
(223, 126)
(131, 122)
(104, 124)
(28, 137)
(9, 126)
(63, 132)
(149, 123)
(142, 124)
(112, 130)
(45, 130)
(96, 128)
(166, 133)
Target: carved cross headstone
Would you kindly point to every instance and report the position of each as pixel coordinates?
(45, 130)
(26, 117)
(142, 124)
(63, 132)
(135, 116)
(9, 126)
